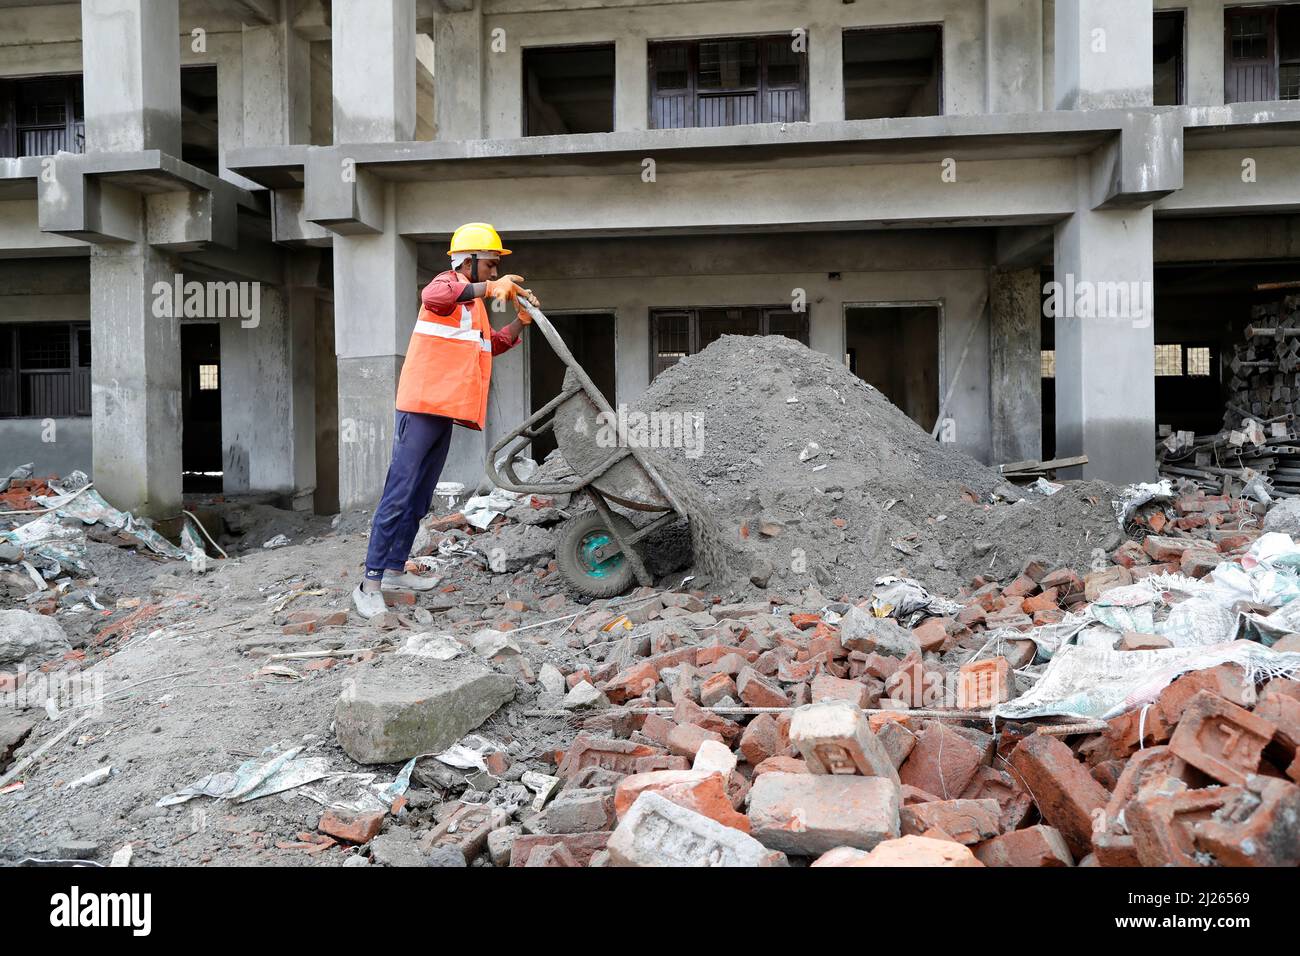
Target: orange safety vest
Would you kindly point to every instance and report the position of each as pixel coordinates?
(448, 365)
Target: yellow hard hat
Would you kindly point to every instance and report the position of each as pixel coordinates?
(476, 237)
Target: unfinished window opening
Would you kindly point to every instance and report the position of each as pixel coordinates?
(201, 461)
(893, 72)
(200, 144)
(1261, 53)
(728, 81)
(1169, 360)
(896, 349)
(45, 370)
(1167, 58)
(569, 90)
(677, 333)
(590, 337)
(42, 116)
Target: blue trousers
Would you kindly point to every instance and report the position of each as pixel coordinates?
(420, 446)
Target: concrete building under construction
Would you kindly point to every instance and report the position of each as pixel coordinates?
(1036, 225)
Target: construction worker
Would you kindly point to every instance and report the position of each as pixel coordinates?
(444, 382)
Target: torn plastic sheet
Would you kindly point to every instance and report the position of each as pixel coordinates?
(1099, 683)
(1268, 629)
(481, 510)
(1187, 611)
(905, 599)
(90, 508)
(468, 754)
(371, 797)
(1135, 496)
(254, 780)
(49, 543)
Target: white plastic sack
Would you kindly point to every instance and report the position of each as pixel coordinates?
(1100, 683)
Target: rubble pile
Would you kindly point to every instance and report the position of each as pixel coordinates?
(1258, 442)
(1226, 523)
(766, 733)
(816, 477)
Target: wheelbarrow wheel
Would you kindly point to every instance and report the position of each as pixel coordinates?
(597, 579)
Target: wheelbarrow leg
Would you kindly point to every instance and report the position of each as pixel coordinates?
(628, 550)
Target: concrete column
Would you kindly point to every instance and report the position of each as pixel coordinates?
(373, 59)
(825, 74)
(376, 297)
(130, 53)
(135, 380)
(268, 398)
(131, 59)
(1203, 30)
(1015, 365)
(458, 74)
(1105, 338)
(1103, 54)
(277, 86)
(631, 83)
(1014, 56)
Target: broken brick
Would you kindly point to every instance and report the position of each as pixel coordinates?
(1220, 739)
(967, 821)
(1036, 846)
(1066, 795)
(942, 762)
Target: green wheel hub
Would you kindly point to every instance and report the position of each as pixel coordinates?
(587, 549)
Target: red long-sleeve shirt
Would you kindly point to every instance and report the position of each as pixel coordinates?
(441, 295)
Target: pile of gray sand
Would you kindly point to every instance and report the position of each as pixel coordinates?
(813, 478)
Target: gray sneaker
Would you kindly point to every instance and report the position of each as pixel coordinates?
(368, 603)
(405, 581)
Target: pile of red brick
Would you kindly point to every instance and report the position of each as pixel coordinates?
(1215, 784)
(1196, 514)
(824, 761)
(21, 492)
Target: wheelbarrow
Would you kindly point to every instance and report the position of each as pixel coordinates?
(598, 551)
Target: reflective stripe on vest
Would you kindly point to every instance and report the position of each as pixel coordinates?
(451, 332)
(465, 332)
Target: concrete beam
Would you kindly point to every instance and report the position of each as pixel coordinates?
(985, 193)
(289, 224)
(340, 196)
(186, 221)
(1218, 182)
(22, 237)
(260, 11)
(1144, 164)
(1022, 247)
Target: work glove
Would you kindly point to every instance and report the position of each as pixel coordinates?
(505, 288)
(520, 312)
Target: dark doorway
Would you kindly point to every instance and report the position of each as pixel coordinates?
(327, 411)
(199, 140)
(893, 72)
(590, 337)
(1167, 58)
(201, 407)
(569, 90)
(896, 349)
